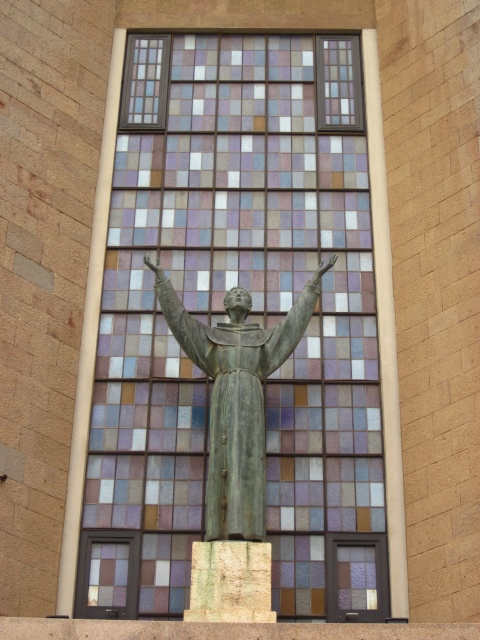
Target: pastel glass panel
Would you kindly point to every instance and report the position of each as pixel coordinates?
(187, 219)
(194, 57)
(178, 417)
(238, 269)
(350, 287)
(345, 220)
(339, 87)
(113, 492)
(350, 348)
(343, 162)
(127, 284)
(169, 361)
(291, 108)
(165, 573)
(292, 220)
(192, 107)
(239, 219)
(189, 160)
(357, 578)
(304, 363)
(119, 416)
(290, 58)
(242, 57)
(189, 273)
(240, 161)
(134, 218)
(292, 162)
(287, 274)
(293, 418)
(241, 107)
(174, 493)
(139, 161)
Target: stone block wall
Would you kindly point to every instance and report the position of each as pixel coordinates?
(430, 74)
(54, 63)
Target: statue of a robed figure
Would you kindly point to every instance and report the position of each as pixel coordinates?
(238, 357)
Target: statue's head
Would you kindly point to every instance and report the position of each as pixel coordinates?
(237, 297)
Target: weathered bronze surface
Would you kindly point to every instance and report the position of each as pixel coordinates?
(238, 357)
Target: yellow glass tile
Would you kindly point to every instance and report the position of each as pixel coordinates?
(287, 469)
(337, 180)
(318, 602)
(111, 259)
(301, 395)
(151, 516)
(259, 123)
(363, 519)
(92, 597)
(186, 368)
(156, 179)
(287, 602)
(128, 393)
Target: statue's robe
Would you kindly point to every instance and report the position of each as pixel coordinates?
(238, 358)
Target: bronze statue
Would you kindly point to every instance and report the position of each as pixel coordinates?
(238, 357)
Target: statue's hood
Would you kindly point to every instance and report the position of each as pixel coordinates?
(244, 335)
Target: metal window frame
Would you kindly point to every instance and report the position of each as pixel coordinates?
(129, 612)
(379, 542)
(357, 80)
(123, 124)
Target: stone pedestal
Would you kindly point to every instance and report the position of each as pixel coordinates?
(231, 582)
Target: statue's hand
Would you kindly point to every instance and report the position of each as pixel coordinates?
(157, 269)
(317, 276)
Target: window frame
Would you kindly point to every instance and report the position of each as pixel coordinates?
(379, 542)
(88, 538)
(123, 124)
(357, 81)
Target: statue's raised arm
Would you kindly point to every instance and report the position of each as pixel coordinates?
(317, 276)
(157, 269)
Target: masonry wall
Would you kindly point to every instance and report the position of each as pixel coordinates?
(430, 73)
(55, 57)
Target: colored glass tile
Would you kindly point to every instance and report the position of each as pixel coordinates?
(165, 572)
(127, 284)
(178, 417)
(292, 220)
(291, 107)
(192, 107)
(238, 269)
(113, 492)
(242, 57)
(144, 92)
(174, 493)
(293, 418)
(350, 348)
(343, 162)
(290, 58)
(239, 219)
(241, 107)
(357, 578)
(353, 421)
(355, 494)
(345, 220)
(240, 161)
(124, 345)
(108, 577)
(139, 161)
(134, 218)
(187, 219)
(292, 162)
(189, 160)
(119, 416)
(194, 57)
(350, 287)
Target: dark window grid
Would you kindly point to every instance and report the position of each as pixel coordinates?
(323, 383)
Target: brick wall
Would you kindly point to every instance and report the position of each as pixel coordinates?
(54, 62)
(430, 75)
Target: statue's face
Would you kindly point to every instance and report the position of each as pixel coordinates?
(238, 299)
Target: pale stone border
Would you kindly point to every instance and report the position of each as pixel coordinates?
(386, 320)
(386, 330)
(86, 366)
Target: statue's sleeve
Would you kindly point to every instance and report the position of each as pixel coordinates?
(189, 332)
(288, 332)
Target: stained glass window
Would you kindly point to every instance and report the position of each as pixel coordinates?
(255, 171)
(108, 579)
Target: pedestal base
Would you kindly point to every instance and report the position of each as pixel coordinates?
(231, 582)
